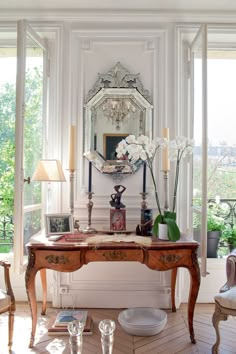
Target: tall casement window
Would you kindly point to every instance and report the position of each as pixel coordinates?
(209, 61)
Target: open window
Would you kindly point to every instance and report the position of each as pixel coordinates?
(30, 128)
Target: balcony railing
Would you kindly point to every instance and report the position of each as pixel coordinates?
(6, 227)
(228, 213)
(226, 210)
(6, 230)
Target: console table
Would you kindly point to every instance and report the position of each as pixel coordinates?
(71, 256)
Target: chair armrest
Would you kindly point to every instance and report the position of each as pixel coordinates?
(6, 265)
(230, 273)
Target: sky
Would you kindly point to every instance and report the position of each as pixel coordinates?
(221, 101)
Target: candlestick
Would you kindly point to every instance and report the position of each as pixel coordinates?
(89, 229)
(72, 178)
(165, 157)
(144, 176)
(143, 202)
(72, 149)
(90, 177)
(166, 190)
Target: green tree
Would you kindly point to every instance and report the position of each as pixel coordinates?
(32, 139)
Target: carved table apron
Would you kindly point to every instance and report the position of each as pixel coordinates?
(68, 257)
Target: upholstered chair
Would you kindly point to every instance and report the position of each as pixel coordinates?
(7, 300)
(225, 301)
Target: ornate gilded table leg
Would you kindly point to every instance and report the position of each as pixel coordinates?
(30, 289)
(44, 287)
(193, 293)
(173, 284)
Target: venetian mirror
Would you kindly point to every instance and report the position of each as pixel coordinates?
(116, 107)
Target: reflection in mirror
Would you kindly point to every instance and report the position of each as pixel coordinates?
(116, 107)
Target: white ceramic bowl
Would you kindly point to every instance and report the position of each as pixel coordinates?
(142, 321)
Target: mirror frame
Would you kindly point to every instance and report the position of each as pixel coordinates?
(118, 83)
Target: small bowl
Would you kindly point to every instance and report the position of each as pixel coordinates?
(142, 321)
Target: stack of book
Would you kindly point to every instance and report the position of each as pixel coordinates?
(58, 325)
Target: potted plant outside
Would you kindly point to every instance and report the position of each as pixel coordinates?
(215, 226)
(229, 237)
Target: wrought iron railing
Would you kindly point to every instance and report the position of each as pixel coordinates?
(6, 226)
(6, 230)
(226, 209)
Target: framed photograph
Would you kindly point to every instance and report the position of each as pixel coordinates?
(110, 142)
(117, 219)
(58, 224)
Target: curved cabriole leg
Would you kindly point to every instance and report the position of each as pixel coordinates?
(10, 328)
(193, 293)
(30, 289)
(173, 284)
(216, 318)
(44, 287)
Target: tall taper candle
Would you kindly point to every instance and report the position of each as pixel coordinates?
(144, 176)
(72, 148)
(90, 177)
(165, 158)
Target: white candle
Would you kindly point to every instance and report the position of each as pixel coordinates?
(72, 149)
(165, 158)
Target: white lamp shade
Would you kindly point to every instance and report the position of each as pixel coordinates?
(49, 170)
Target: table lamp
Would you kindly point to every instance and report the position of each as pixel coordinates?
(49, 171)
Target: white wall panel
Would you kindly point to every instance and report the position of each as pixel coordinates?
(92, 52)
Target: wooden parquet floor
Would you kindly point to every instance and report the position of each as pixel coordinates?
(173, 339)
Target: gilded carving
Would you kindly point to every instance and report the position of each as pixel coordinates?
(196, 264)
(31, 263)
(169, 258)
(114, 255)
(56, 259)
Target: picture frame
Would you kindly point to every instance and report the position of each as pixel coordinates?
(118, 220)
(110, 142)
(58, 224)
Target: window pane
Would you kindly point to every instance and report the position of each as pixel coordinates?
(197, 155)
(32, 225)
(221, 117)
(33, 120)
(7, 145)
(33, 135)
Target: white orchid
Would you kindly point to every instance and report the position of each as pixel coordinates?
(143, 148)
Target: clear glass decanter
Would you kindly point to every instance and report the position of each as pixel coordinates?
(75, 328)
(107, 328)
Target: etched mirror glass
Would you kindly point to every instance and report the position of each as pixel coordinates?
(116, 107)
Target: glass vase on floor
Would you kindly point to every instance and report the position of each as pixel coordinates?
(107, 328)
(75, 328)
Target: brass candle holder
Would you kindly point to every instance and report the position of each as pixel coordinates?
(89, 229)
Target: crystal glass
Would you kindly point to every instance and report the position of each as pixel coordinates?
(75, 328)
(107, 328)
